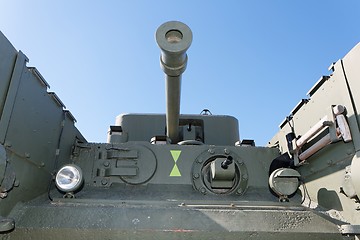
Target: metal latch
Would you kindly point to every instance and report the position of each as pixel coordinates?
(222, 173)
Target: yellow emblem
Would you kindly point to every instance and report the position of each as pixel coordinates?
(175, 172)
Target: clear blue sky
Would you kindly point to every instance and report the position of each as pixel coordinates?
(250, 59)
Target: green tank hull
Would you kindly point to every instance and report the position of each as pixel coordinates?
(176, 176)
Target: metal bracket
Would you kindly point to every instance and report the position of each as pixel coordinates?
(7, 175)
(6, 224)
(8, 182)
(335, 134)
(39, 77)
(2, 163)
(350, 229)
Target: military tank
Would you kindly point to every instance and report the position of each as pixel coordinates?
(177, 176)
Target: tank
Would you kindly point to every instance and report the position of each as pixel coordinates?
(177, 176)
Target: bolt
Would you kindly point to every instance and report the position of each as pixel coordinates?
(182, 204)
(200, 160)
(27, 155)
(226, 151)
(104, 181)
(203, 190)
(106, 164)
(239, 191)
(42, 164)
(211, 151)
(196, 176)
(232, 205)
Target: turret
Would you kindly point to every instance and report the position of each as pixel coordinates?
(173, 38)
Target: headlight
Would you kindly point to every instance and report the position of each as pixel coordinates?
(69, 178)
(284, 182)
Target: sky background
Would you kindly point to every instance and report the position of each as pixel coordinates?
(253, 60)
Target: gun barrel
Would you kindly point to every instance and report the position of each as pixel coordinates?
(174, 38)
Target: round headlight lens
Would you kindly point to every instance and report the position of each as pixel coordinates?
(69, 178)
(284, 181)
